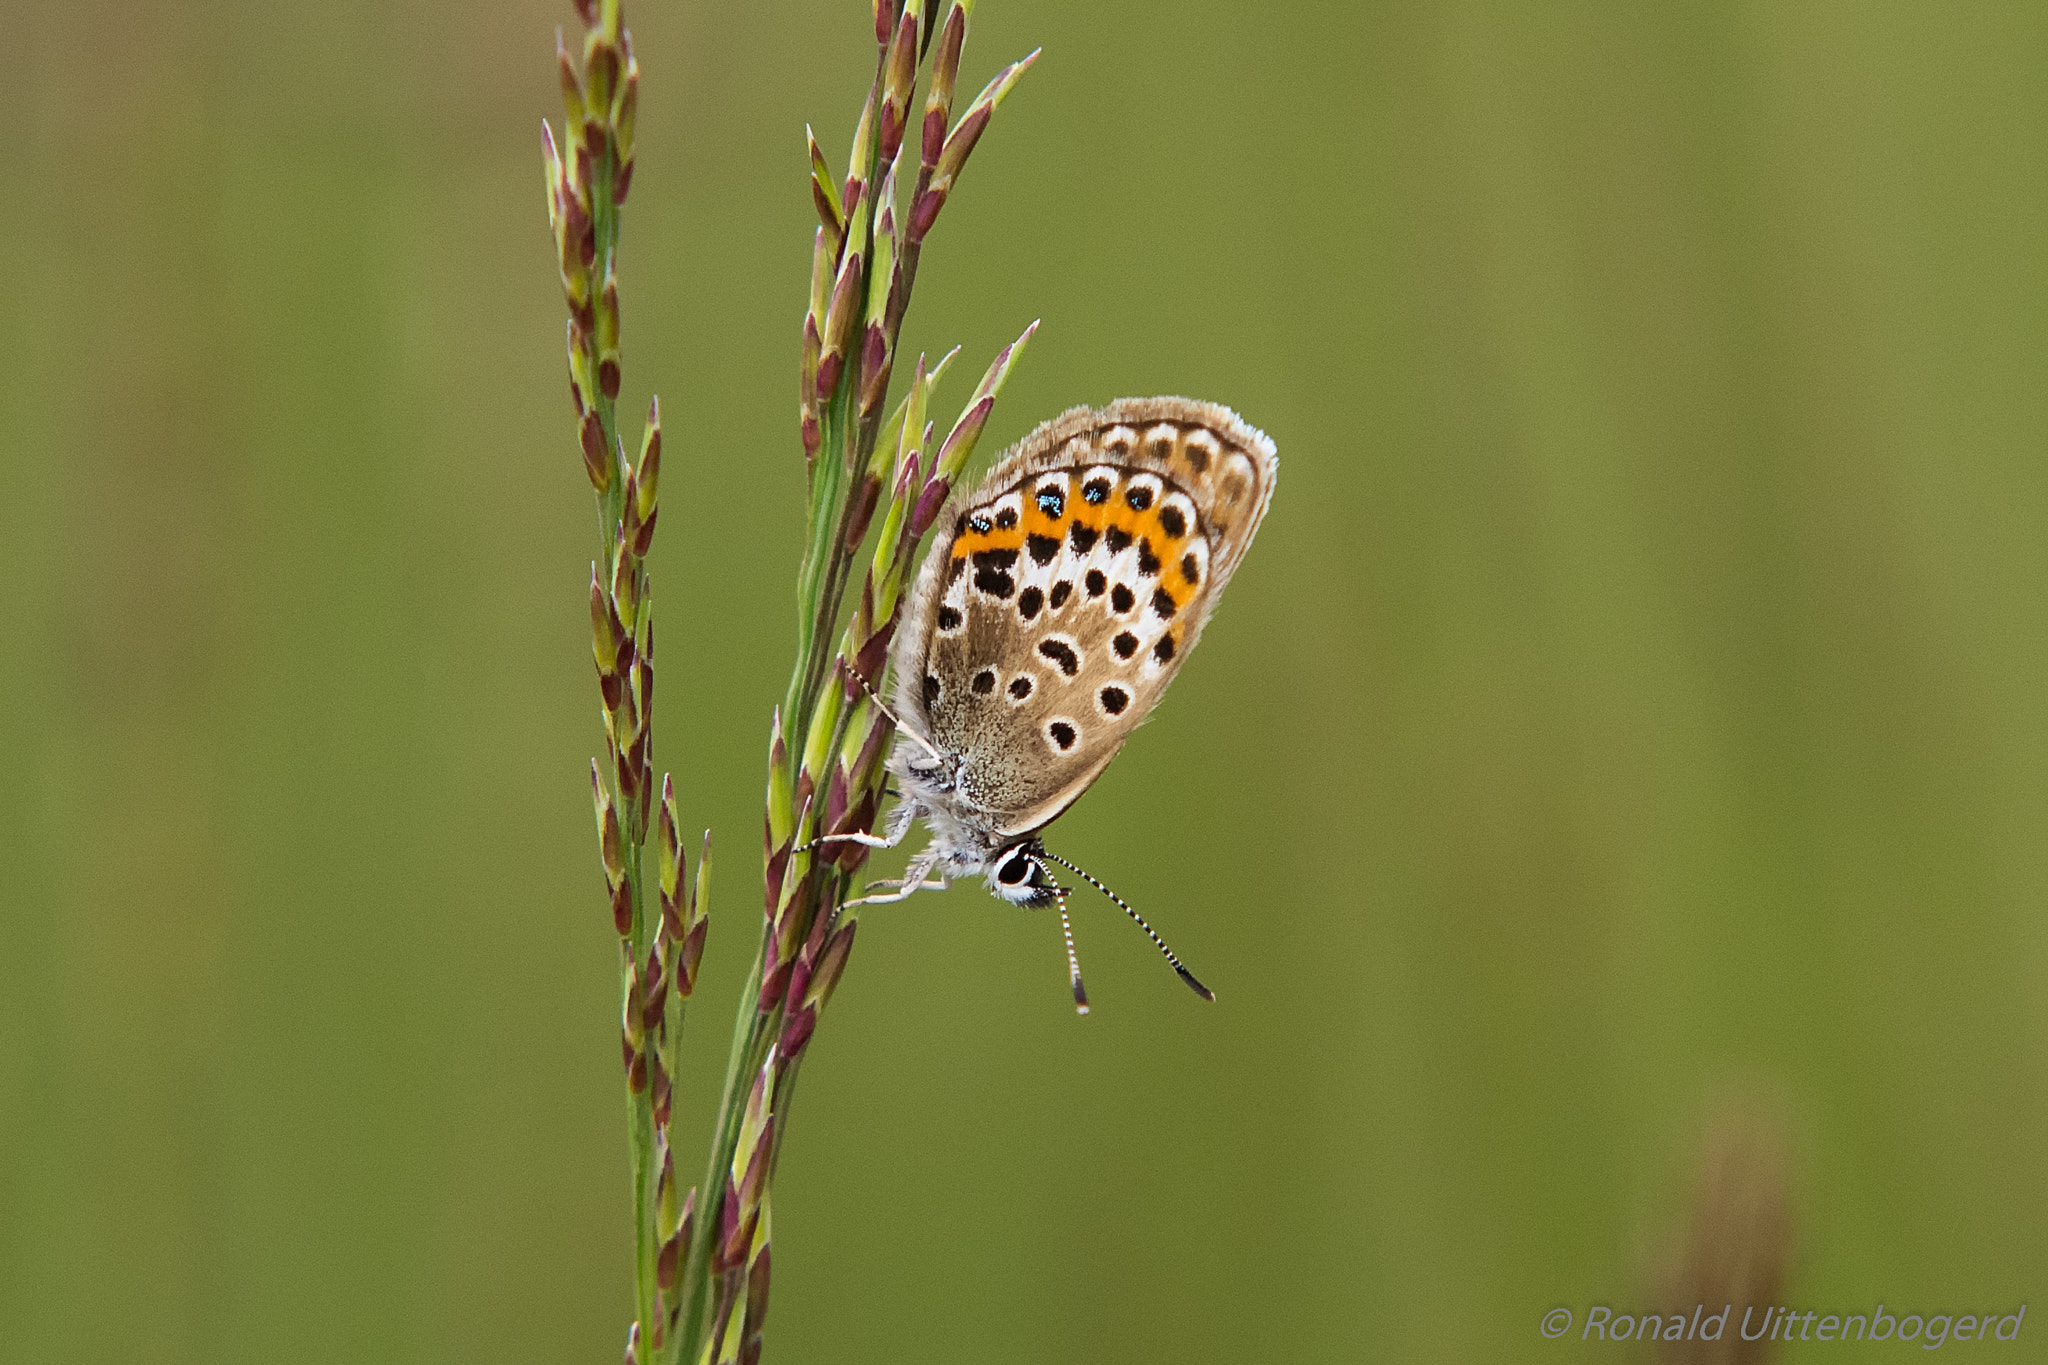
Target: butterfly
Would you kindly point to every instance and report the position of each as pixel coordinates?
(1062, 595)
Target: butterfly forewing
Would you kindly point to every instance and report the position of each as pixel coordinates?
(1072, 584)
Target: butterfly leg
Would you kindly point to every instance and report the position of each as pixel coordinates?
(913, 882)
(900, 891)
(858, 836)
(899, 825)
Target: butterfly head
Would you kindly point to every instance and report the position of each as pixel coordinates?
(1018, 875)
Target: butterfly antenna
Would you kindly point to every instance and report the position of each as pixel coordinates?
(1073, 960)
(1157, 942)
(889, 712)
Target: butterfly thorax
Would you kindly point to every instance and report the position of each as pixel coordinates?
(965, 837)
(965, 840)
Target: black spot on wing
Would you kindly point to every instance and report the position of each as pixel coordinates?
(1189, 569)
(1042, 548)
(1020, 686)
(1163, 603)
(1006, 518)
(1030, 602)
(1148, 563)
(1095, 492)
(1122, 599)
(1114, 700)
(1117, 539)
(1061, 653)
(1052, 500)
(931, 690)
(953, 570)
(1082, 538)
(1125, 644)
(1062, 734)
(984, 682)
(991, 572)
(949, 618)
(1173, 522)
(1096, 583)
(1138, 497)
(1061, 591)
(1163, 651)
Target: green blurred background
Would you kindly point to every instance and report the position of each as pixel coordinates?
(1636, 708)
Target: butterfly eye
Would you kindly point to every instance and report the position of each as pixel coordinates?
(1014, 871)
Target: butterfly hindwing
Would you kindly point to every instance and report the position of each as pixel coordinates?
(1071, 584)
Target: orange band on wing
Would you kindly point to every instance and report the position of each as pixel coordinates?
(1149, 527)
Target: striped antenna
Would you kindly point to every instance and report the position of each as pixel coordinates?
(1157, 942)
(1073, 960)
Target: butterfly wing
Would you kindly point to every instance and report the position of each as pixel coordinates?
(1067, 589)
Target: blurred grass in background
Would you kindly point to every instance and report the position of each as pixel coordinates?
(1637, 703)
